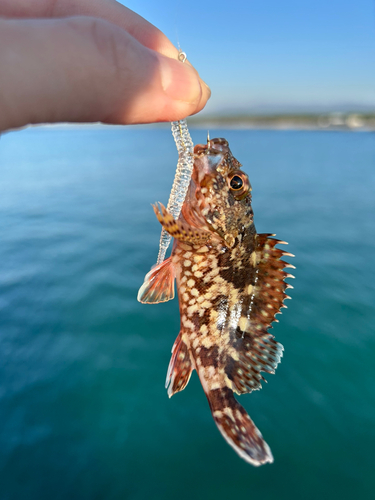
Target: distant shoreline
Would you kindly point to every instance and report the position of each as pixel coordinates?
(357, 122)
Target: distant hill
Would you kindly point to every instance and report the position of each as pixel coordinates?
(290, 109)
(352, 120)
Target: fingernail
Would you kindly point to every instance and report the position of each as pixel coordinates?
(180, 81)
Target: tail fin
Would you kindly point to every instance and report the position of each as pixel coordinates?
(237, 427)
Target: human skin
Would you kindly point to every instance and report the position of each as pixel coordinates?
(89, 61)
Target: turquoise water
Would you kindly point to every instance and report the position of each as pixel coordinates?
(83, 409)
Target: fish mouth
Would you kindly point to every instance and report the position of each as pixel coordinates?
(218, 144)
(207, 165)
(208, 157)
(207, 162)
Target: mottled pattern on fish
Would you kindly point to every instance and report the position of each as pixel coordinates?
(230, 283)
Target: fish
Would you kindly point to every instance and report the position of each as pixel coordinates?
(231, 285)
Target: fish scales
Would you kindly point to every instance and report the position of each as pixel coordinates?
(230, 285)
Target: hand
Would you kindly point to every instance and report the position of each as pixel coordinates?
(89, 61)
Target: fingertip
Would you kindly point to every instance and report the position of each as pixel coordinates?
(171, 91)
(181, 82)
(205, 96)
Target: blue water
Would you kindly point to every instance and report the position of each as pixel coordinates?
(83, 410)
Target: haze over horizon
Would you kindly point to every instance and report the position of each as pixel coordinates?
(275, 56)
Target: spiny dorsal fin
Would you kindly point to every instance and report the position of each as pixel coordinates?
(179, 369)
(270, 287)
(257, 349)
(158, 285)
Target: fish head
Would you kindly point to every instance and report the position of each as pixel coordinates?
(219, 199)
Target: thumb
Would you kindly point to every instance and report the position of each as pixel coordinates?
(84, 69)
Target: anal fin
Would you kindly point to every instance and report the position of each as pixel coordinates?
(158, 285)
(180, 368)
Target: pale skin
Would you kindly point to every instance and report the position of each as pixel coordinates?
(89, 61)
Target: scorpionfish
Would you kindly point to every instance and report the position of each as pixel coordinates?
(230, 283)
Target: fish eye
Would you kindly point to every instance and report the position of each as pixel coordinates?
(236, 182)
(239, 185)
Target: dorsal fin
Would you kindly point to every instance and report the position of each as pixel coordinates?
(158, 285)
(179, 369)
(270, 287)
(256, 349)
(256, 354)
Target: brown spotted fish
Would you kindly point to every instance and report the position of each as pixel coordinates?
(230, 283)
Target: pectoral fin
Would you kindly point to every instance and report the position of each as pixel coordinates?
(158, 285)
(179, 229)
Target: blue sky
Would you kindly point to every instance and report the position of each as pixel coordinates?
(275, 54)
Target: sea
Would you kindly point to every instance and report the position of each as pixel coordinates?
(84, 414)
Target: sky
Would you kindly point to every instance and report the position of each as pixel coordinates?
(275, 55)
